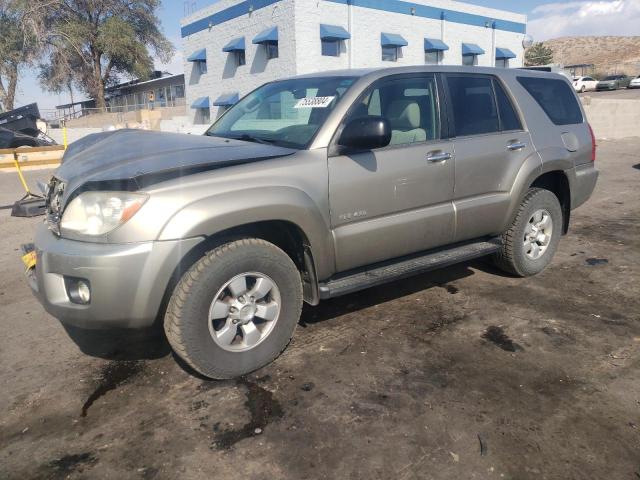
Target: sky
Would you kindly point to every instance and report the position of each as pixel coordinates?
(546, 19)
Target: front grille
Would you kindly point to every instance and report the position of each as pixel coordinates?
(53, 204)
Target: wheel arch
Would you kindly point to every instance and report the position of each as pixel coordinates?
(556, 182)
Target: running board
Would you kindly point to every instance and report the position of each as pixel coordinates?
(403, 267)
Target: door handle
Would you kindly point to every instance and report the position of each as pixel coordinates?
(438, 157)
(514, 147)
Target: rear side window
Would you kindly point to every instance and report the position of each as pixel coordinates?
(508, 116)
(556, 99)
(473, 105)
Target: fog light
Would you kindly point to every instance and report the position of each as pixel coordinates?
(79, 291)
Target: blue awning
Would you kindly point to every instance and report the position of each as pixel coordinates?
(266, 36)
(198, 56)
(234, 45)
(392, 40)
(202, 102)
(434, 45)
(471, 49)
(226, 99)
(504, 54)
(333, 32)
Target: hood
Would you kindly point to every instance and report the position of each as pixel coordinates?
(141, 157)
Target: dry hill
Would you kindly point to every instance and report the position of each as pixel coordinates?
(609, 54)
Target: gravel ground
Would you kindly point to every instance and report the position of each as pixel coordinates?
(460, 373)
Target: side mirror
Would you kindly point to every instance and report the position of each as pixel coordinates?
(366, 133)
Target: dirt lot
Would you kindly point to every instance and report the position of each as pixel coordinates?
(461, 373)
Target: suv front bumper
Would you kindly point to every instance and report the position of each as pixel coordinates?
(127, 281)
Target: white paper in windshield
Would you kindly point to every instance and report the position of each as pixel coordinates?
(314, 102)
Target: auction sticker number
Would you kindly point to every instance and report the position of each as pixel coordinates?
(314, 102)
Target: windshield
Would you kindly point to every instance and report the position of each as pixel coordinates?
(287, 113)
(611, 77)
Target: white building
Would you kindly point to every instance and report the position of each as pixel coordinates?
(232, 47)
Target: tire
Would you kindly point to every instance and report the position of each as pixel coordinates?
(209, 284)
(583, 89)
(517, 257)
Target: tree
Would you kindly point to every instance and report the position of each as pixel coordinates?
(17, 49)
(91, 43)
(538, 54)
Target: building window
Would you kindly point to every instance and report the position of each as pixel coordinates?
(502, 62)
(331, 48)
(272, 50)
(469, 60)
(389, 53)
(432, 58)
(205, 115)
(240, 58)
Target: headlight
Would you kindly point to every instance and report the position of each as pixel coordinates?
(97, 213)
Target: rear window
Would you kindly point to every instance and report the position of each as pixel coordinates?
(556, 99)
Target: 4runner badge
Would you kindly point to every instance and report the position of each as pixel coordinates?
(353, 215)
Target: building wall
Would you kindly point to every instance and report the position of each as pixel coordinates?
(222, 74)
(368, 24)
(298, 23)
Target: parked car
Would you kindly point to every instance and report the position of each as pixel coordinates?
(307, 189)
(635, 83)
(613, 82)
(584, 84)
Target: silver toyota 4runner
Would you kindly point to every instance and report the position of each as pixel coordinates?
(306, 189)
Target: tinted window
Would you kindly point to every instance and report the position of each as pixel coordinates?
(508, 116)
(473, 105)
(410, 106)
(556, 99)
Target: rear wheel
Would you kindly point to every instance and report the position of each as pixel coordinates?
(236, 309)
(532, 240)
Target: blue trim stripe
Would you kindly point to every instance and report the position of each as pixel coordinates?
(225, 15)
(394, 6)
(424, 11)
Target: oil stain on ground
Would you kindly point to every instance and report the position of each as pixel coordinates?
(63, 466)
(112, 376)
(596, 261)
(262, 407)
(497, 336)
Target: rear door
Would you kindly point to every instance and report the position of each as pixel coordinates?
(396, 200)
(490, 148)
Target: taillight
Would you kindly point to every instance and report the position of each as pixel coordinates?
(593, 144)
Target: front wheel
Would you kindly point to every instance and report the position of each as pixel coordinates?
(532, 240)
(236, 309)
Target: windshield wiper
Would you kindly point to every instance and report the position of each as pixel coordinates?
(250, 138)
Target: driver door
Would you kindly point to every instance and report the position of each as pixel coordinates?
(396, 200)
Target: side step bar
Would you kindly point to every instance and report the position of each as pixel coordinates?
(403, 267)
